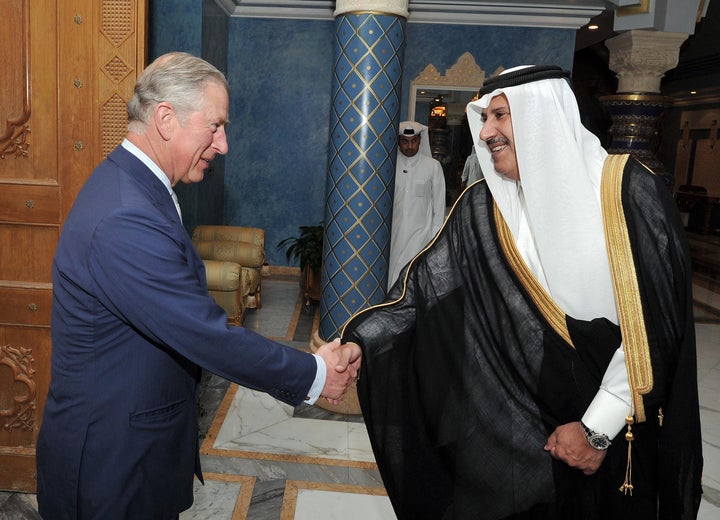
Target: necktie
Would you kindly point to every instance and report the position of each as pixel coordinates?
(177, 204)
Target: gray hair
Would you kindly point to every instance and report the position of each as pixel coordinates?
(177, 78)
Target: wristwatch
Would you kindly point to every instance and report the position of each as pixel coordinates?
(599, 441)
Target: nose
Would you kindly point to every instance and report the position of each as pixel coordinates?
(486, 132)
(220, 143)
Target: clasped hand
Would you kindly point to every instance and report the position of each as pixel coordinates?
(343, 364)
(569, 444)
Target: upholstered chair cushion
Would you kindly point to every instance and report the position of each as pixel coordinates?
(234, 233)
(232, 304)
(222, 276)
(224, 281)
(251, 287)
(246, 254)
(242, 245)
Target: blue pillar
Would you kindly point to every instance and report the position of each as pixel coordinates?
(365, 114)
(636, 121)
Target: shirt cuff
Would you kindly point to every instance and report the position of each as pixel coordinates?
(612, 404)
(319, 383)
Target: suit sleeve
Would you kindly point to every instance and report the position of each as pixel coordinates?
(145, 274)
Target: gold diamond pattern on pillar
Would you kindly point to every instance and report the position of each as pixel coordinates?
(364, 119)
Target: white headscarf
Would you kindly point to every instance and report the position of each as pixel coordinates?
(413, 128)
(560, 164)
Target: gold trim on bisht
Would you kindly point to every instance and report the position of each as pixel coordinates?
(547, 306)
(625, 284)
(407, 271)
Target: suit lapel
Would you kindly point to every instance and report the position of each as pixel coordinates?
(160, 198)
(141, 174)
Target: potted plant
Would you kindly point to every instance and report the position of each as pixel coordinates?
(307, 249)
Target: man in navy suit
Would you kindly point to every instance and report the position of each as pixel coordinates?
(132, 321)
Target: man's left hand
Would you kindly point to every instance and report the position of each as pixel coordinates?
(569, 444)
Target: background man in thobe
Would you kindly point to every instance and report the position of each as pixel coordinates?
(419, 200)
(471, 170)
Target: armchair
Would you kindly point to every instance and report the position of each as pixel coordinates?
(233, 256)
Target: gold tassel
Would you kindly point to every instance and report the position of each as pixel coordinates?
(661, 416)
(627, 486)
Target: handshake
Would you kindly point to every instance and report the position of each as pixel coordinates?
(343, 364)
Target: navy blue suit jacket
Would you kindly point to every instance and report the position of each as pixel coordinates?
(132, 325)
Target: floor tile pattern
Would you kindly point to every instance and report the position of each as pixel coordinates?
(264, 460)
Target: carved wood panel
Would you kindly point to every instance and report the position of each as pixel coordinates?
(14, 85)
(69, 67)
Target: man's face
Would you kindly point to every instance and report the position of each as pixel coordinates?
(201, 136)
(497, 133)
(409, 146)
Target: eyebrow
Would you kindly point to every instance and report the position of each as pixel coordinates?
(484, 113)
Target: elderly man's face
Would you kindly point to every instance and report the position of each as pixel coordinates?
(202, 136)
(409, 146)
(497, 133)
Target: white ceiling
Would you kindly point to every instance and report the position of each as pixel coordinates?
(661, 15)
(527, 13)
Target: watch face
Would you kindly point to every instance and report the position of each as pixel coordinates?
(599, 442)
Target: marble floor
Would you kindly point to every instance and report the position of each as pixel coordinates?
(265, 460)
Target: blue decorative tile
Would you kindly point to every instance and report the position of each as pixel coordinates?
(364, 114)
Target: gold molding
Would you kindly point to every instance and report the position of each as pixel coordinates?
(464, 75)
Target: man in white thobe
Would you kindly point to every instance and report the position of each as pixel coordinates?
(419, 200)
(471, 170)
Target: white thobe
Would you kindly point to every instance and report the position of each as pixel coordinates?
(418, 209)
(471, 170)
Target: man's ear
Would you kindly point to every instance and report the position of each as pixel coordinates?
(165, 119)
